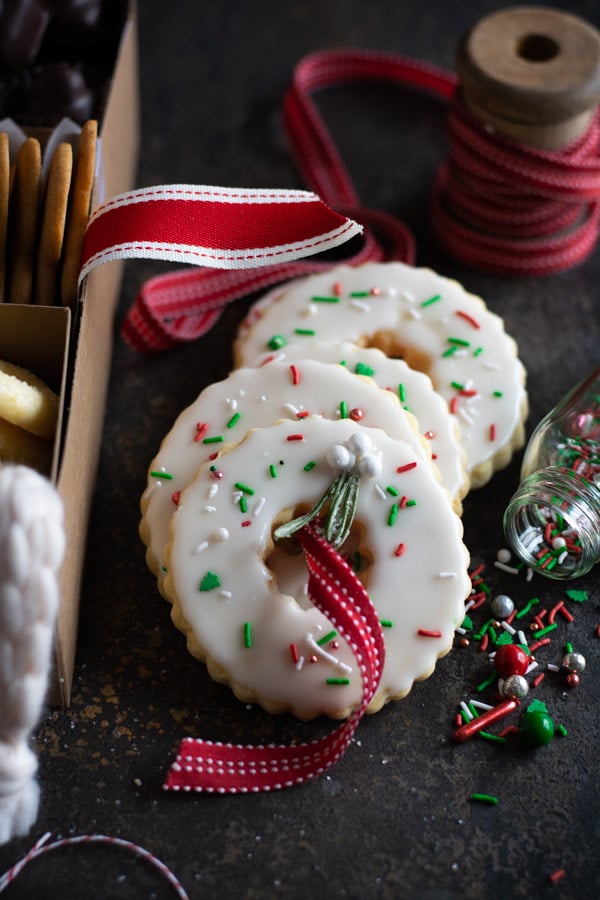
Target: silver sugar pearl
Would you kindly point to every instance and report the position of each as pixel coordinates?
(515, 687)
(502, 606)
(574, 662)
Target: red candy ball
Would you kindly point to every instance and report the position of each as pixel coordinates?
(511, 659)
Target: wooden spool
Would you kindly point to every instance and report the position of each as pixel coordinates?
(532, 74)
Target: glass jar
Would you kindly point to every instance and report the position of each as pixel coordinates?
(552, 521)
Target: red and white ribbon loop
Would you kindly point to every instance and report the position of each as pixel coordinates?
(222, 228)
(215, 767)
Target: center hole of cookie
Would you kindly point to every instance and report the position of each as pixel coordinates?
(287, 564)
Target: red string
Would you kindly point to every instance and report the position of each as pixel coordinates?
(497, 205)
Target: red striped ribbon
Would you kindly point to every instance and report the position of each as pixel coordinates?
(215, 767)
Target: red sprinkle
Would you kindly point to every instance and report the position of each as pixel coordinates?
(538, 679)
(303, 414)
(175, 497)
(295, 374)
(295, 437)
(246, 522)
(201, 429)
(399, 549)
(481, 722)
(566, 614)
(406, 467)
(294, 652)
(453, 405)
(426, 632)
(541, 643)
(492, 432)
(467, 318)
(268, 359)
(556, 876)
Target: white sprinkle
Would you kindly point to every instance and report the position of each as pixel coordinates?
(220, 535)
(236, 496)
(552, 667)
(320, 651)
(510, 569)
(212, 491)
(310, 310)
(380, 490)
(460, 630)
(225, 594)
(300, 663)
(290, 408)
(210, 508)
(407, 295)
(479, 704)
(508, 627)
(469, 715)
(360, 304)
(231, 403)
(258, 506)
(415, 313)
(522, 637)
(532, 665)
(200, 547)
(446, 575)
(487, 364)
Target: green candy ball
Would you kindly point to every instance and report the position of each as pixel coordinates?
(535, 728)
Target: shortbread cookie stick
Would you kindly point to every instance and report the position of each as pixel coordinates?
(54, 216)
(23, 229)
(4, 202)
(26, 401)
(79, 211)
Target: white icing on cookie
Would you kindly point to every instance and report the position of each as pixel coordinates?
(272, 646)
(414, 391)
(253, 398)
(428, 320)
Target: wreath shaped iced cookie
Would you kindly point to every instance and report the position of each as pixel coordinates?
(238, 586)
(429, 321)
(253, 398)
(415, 392)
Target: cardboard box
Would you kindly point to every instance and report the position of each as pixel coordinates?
(73, 353)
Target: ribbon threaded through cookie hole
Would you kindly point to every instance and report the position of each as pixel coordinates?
(286, 561)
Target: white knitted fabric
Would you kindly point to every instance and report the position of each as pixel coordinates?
(32, 546)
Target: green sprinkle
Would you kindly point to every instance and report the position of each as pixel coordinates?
(308, 331)
(527, 607)
(273, 470)
(213, 440)
(210, 582)
(393, 514)
(326, 299)
(478, 351)
(392, 490)
(166, 475)
(411, 502)
(431, 300)
(247, 635)
(234, 419)
(497, 394)
(484, 684)
(364, 369)
(568, 647)
(402, 393)
(327, 637)
(360, 293)
(449, 351)
(343, 410)
(545, 630)
(562, 730)
(492, 737)
(459, 342)
(337, 681)
(386, 623)
(457, 385)
(485, 798)
(244, 488)
(309, 465)
(243, 504)
(276, 342)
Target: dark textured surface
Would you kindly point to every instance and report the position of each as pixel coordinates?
(393, 818)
